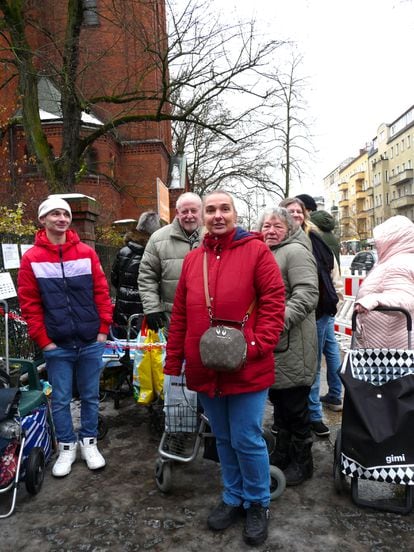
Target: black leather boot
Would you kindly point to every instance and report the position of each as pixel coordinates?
(255, 528)
(280, 457)
(223, 515)
(301, 465)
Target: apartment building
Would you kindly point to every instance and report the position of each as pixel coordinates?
(376, 184)
(391, 167)
(353, 179)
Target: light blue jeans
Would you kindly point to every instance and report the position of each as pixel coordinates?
(333, 361)
(62, 366)
(236, 421)
(324, 344)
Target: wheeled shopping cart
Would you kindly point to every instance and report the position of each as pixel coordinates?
(186, 428)
(376, 442)
(118, 363)
(26, 431)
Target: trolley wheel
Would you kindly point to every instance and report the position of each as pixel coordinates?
(35, 470)
(270, 440)
(277, 482)
(102, 427)
(338, 476)
(163, 475)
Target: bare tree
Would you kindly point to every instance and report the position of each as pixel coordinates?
(292, 138)
(213, 160)
(269, 143)
(198, 60)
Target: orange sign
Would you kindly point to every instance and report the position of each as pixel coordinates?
(163, 198)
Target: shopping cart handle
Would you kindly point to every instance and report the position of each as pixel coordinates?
(387, 309)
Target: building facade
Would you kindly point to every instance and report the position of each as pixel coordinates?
(377, 184)
(121, 168)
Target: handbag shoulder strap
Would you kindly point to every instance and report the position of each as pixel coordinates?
(207, 295)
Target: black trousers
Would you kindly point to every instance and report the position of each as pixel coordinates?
(290, 410)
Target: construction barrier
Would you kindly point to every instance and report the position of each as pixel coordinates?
(343, 318)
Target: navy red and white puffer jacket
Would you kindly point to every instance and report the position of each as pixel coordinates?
(63, 292)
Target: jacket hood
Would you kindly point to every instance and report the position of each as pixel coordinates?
(42, 240)
(395, 235)
(323, 220)
(137, 248)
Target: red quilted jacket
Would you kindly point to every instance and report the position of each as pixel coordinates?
(240, 268)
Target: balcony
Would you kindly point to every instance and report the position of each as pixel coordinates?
(362, 215)
(402, 177)
(401, 202)
(361, 194)
(360, 175)
(344, 203)
(343, 186)
(369, 191)
(369, 212)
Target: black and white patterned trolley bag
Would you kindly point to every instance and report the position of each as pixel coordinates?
(378, 414)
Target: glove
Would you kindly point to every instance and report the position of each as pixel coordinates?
(155, 320)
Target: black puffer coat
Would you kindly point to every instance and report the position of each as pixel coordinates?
(124, 277)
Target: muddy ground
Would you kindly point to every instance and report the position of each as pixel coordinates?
(121, 508)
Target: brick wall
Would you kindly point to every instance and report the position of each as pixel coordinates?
(128, 161)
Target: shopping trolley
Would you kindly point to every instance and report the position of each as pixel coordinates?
(118, 363)
(186, 428)
(26, 429)
(375, 442)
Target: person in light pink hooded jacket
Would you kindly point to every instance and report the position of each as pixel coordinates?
(390, 283)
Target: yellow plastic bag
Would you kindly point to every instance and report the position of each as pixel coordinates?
(150, 369)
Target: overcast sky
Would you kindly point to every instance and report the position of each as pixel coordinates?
(358, 56)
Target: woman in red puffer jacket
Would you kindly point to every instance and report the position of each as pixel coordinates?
(241, 268)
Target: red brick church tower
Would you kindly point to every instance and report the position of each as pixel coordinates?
(123, 166)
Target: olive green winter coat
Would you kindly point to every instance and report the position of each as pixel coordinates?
(161, 265)
(296, 352)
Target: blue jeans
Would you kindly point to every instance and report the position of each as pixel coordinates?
(62, 365)
(322, 325)
(236, 421)
(333, 362)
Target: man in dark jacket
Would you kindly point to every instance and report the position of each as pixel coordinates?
(332, 400)
(64, 297)
(124, 273)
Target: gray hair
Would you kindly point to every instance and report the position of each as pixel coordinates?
(282, 214)
(187, 195)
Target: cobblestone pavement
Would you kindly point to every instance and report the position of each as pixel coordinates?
(121, 508)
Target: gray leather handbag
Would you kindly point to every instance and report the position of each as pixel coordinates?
(223, 347)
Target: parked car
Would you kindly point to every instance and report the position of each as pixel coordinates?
(364, 260)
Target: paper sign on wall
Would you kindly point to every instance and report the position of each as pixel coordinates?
(11, 257)
(7, 288)
(25, 247)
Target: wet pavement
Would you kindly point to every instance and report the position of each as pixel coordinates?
(121, 508)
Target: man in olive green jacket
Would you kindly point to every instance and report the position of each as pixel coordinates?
(161, 263)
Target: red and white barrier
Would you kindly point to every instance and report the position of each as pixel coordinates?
(343, 318)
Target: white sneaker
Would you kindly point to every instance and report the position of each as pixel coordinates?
(67, 455)
(91, 454)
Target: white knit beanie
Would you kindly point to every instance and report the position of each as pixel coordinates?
(51, 203)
